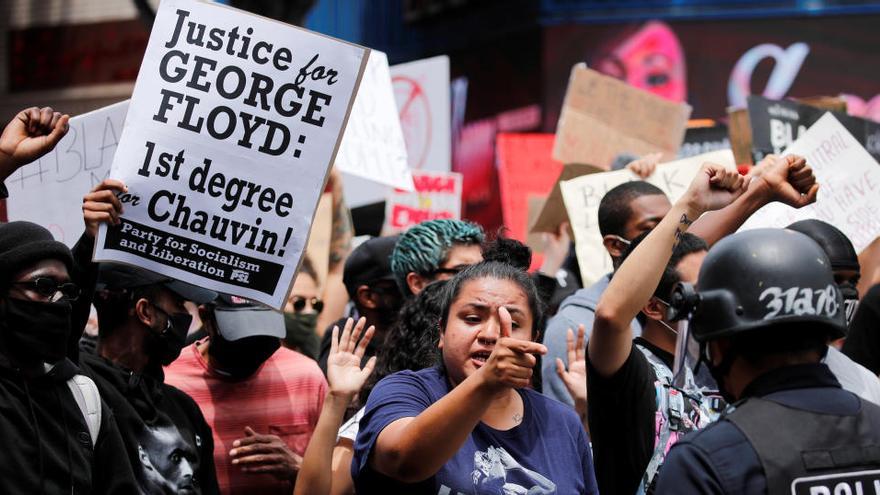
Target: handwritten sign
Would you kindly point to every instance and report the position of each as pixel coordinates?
(421, 89)
(849, 185)
(234, 123)
(437, 196)
(603, 117)
(373, 146)
(583, 194)
(525, 168)
(49, 191)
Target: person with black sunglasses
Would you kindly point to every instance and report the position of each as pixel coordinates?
(65, 438)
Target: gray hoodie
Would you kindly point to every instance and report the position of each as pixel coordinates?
(578, 308)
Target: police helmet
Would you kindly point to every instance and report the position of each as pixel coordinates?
(757, 279)
(835, 243)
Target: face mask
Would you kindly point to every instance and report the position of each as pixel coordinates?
(673, 330)
(850, 300)
(35, 331)
(243, 357)
(719, 372)
(299, 325)
(166, 345)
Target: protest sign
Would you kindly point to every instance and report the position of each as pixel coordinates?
(603, 117)
(437, 196)
(703, 139)
(775, 125)
(583, 194)
(525, 168)
(372, 146)
(233, 125)
(422, 94)
(849, 185)
(421, 89)
(50, 190)
(553, 210)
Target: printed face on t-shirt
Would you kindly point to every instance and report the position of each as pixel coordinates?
(474, 326)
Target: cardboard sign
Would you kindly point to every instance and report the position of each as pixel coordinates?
(603, 117)
(775, 125)
(740, 133)
(553, 211)
(50, 190)
(421, 89)
(699, 140)
(372, 146)
(525, 168)
(849, 185)
(583, 194)
(234, 123)
(437, 196)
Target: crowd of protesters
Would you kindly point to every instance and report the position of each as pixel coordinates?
(708, 361)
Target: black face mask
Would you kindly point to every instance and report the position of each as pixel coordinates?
(243, 357)
(35, 331)
(850, 295)
(165, 346)
(719, 372)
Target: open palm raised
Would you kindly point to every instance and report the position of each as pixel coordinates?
(344, 373)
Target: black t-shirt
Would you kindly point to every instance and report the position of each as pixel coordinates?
(169, 444)
(621, 413)
(862, 344)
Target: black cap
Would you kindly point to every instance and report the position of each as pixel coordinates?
(835, 243)
(25, 243)
(369, 263)
(238, 318)
(117, 276)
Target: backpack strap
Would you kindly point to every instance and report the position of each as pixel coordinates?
(87, 397)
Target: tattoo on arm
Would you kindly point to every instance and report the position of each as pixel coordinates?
(683, 223)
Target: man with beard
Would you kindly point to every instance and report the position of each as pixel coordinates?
(142, 324)
(261, 400)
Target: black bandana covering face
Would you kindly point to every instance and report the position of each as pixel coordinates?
(35, 331)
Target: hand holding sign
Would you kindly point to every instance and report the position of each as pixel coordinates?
(102, 205)
(512, 359)
(30, 135)
(645, 166)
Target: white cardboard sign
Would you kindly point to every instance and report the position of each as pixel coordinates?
(49, 191)
(372, 146)
(234, 123)
(849, 185)
(583, 194)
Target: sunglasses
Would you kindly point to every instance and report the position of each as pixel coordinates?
(299, 304)
(51, 289)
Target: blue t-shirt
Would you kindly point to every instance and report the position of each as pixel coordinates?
(547, 453)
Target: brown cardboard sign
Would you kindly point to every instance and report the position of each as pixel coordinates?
(553, 213)
(603, 117)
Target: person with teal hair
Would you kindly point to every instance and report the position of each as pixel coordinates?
(434, 250)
